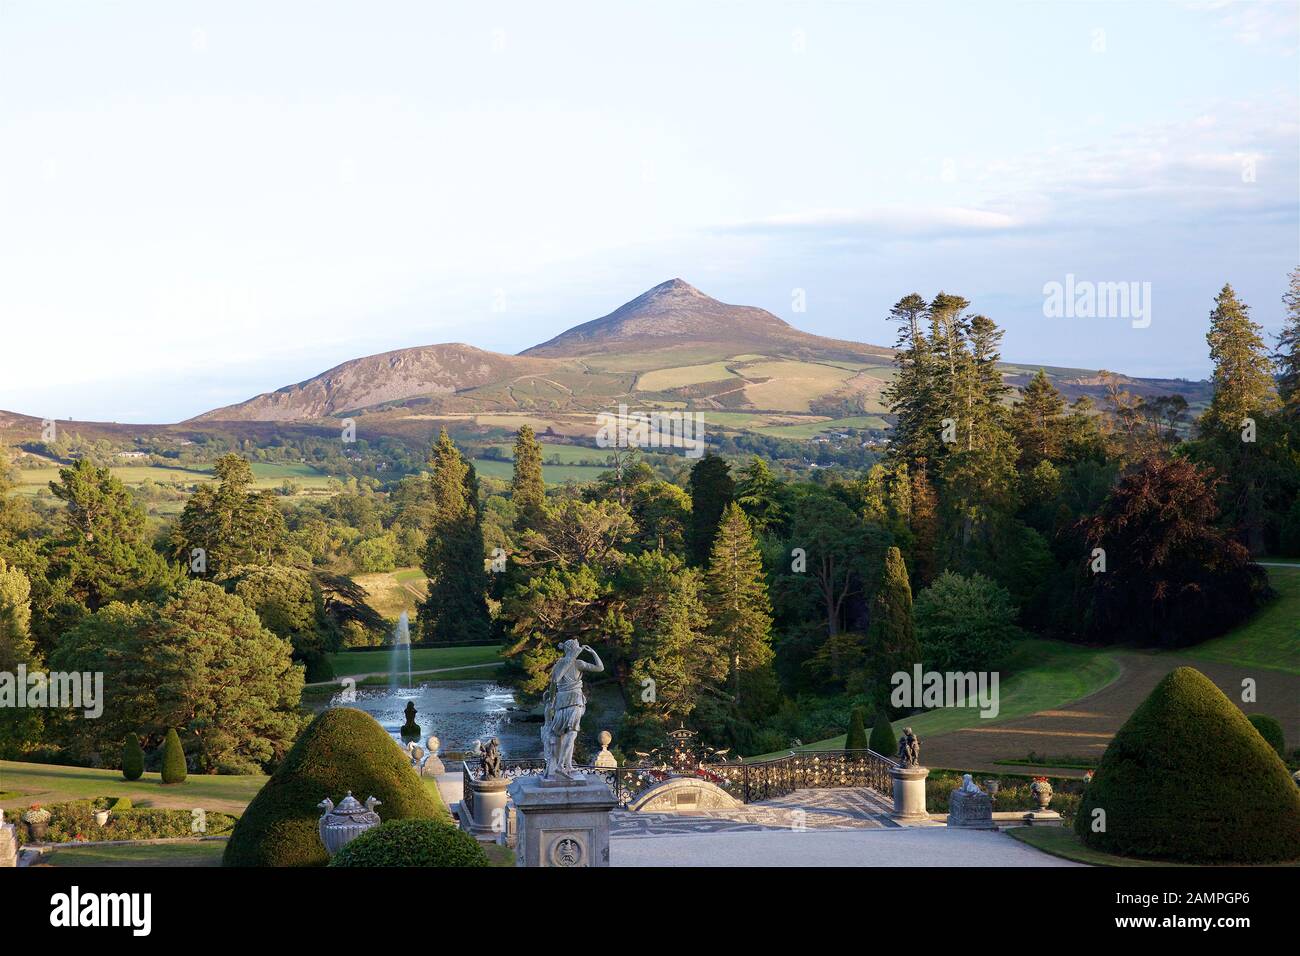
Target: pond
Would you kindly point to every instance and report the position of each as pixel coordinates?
(457, 712)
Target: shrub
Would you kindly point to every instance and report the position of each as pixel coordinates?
(1187, 778)
(342, 749)
(319, 669)
(412, 843)
(883, 740)
(857, 736)
(173, 761)
(964, 623)
(76, 818)
(1271, 730)
(132, 758)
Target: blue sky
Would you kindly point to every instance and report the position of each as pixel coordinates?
(203, 201)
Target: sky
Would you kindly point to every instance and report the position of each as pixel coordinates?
(200, 202)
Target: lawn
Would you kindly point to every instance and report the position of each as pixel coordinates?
(350, 663)
(187, 853)
(1063, 842)
(1039, 675)
(46, 783)
(1271, 638)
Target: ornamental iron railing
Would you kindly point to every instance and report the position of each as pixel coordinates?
(747, 782)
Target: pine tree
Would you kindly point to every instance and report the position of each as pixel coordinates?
(892, 637)
(911, 396)
(739, 609)
(1037, 422)
(456, 606)
(173, 761)
(758, 492)
(527, 490)
(132, 758)
(1287, 355)
(1243, 376)
(924, 524)
(711, 490)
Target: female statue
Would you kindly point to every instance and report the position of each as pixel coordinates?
(564, 705)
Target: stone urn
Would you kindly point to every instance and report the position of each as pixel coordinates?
(101, 818)
(342, 824)
(37, 819)
(1041, 788)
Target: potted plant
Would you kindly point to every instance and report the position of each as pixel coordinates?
(38, 821)
(1041, 788)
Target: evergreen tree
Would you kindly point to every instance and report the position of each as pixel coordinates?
(132, 758)
(1287, 355)
(883, 740)
(912, 395)
(739, 610)
(19, 726)
(759, 493)
(527, 489)
(454, 561)
(1243, 376)
(173, 759)
(711, 489)
(231, 522)
(102, 548)
(856, 738)
(1037, 422)
(892, 637)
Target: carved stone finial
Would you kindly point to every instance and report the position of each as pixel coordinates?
(605, 759)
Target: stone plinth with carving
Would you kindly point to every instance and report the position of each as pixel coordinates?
(8, 843)
(562, 822)
(970, 808)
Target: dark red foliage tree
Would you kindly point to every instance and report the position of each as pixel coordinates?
(1172, 577)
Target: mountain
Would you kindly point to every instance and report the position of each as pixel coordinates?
(398, 376)
(675, 314)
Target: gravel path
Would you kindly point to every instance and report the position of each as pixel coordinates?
(1085, 726)
(922, 846)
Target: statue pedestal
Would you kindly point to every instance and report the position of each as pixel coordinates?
(8, 844)
(488, 799)
(562, 823)
(432, 766)
(970, 811)
(909, 794)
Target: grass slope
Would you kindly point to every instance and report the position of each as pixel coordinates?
(1271, 638)
(349, 663)
(42, 783)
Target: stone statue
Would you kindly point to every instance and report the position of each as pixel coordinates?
(563, 705)
(490, 760)
(909, 749)
(968, 785)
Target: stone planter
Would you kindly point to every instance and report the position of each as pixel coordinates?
(36, 831)
(340, 825)
(101, 817)
(1042, 791)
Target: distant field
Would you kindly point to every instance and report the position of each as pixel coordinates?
(551, 474)
(663, 379)
(392, 593)
(265, 474)
(793, 384)
(812, 429)
(568, 454)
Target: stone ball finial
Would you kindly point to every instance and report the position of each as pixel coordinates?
(605, 738)
(434, 744)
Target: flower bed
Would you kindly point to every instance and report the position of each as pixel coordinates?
(74, 822)
(1014, 792)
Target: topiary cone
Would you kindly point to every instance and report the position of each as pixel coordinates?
(1188, 778)
(173, 762)
(342, 749)
(857, 735)
(883, 740)
(132, 758)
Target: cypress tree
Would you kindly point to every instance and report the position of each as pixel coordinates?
(856, 739)
(883, 740)
(173, 762)
(892, 636)
(711, 490)
(132, 758)
(739, 609)
(456, 607)
(527, 489)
